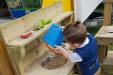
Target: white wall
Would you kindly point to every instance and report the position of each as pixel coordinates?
(83, 8)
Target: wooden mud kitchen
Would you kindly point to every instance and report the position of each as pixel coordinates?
(30, 56)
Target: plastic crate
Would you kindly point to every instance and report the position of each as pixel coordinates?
(17, 13)
(53, 36)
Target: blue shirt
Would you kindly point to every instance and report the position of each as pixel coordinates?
(90, 64)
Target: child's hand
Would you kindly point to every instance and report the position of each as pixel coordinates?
(62, 51)
(62, 28)
(59, 49)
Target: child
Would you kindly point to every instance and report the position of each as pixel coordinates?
(85, 49)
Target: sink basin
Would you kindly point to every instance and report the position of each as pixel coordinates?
(53, 62)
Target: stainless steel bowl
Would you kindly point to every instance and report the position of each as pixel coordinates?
(53, 62)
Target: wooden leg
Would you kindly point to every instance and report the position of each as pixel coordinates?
(5, 66)
(107, 13)
(102, 52)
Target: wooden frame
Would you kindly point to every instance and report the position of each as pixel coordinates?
(16, 48)
(5, 63)
(103, 49)
(108, 1)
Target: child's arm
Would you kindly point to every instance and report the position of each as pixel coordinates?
(62, 51)
(73, 57)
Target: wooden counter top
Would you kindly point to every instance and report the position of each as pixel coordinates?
(37, 69)
(105, 35)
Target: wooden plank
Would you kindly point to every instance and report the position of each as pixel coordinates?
(109, 58)
(5, 67)
(105, 32)
(12, 30)
(5, 64)
(72, 72)
(107, 66)
(105, 35)
(107, 13)
(102, 52)
(105, 41)
(108, 1)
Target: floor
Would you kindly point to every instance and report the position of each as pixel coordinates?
(5, 20)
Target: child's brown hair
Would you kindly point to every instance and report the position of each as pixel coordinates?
(75, 33)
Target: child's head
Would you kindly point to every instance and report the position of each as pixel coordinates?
(75, 34)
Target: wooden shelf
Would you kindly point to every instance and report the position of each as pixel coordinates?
(24, 42)
(38, 33)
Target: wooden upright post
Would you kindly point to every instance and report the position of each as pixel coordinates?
(107, 12)
(103, 49)
(5, 64)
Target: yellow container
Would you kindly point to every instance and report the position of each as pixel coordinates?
(67, 5)
(46, 3)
